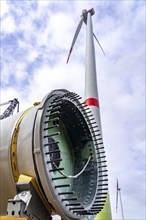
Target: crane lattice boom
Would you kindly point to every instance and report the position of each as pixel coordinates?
(9, 111)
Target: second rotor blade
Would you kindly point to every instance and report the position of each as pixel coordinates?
(99, 43)
(75, 37)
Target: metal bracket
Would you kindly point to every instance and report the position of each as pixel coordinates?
(27, 203)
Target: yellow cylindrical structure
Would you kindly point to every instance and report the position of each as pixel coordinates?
(10, 169)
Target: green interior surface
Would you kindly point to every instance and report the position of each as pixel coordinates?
(74, 149)
(67, 156)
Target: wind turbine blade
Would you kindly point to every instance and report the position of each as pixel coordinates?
(99, 43)
(18, 107)
(117, 196)
(75, 37)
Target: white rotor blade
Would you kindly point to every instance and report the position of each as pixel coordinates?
(99, 43)
(75, 37)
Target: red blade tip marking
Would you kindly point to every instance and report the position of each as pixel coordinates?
(69, 55)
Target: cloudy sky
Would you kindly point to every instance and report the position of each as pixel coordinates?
(35, 40)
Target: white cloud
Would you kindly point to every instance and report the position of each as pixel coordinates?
(8, 24)
(4, 8)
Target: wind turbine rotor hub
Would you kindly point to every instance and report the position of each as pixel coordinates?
(85, 12)
(70, 155)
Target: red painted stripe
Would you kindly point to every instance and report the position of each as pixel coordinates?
(92, 101)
